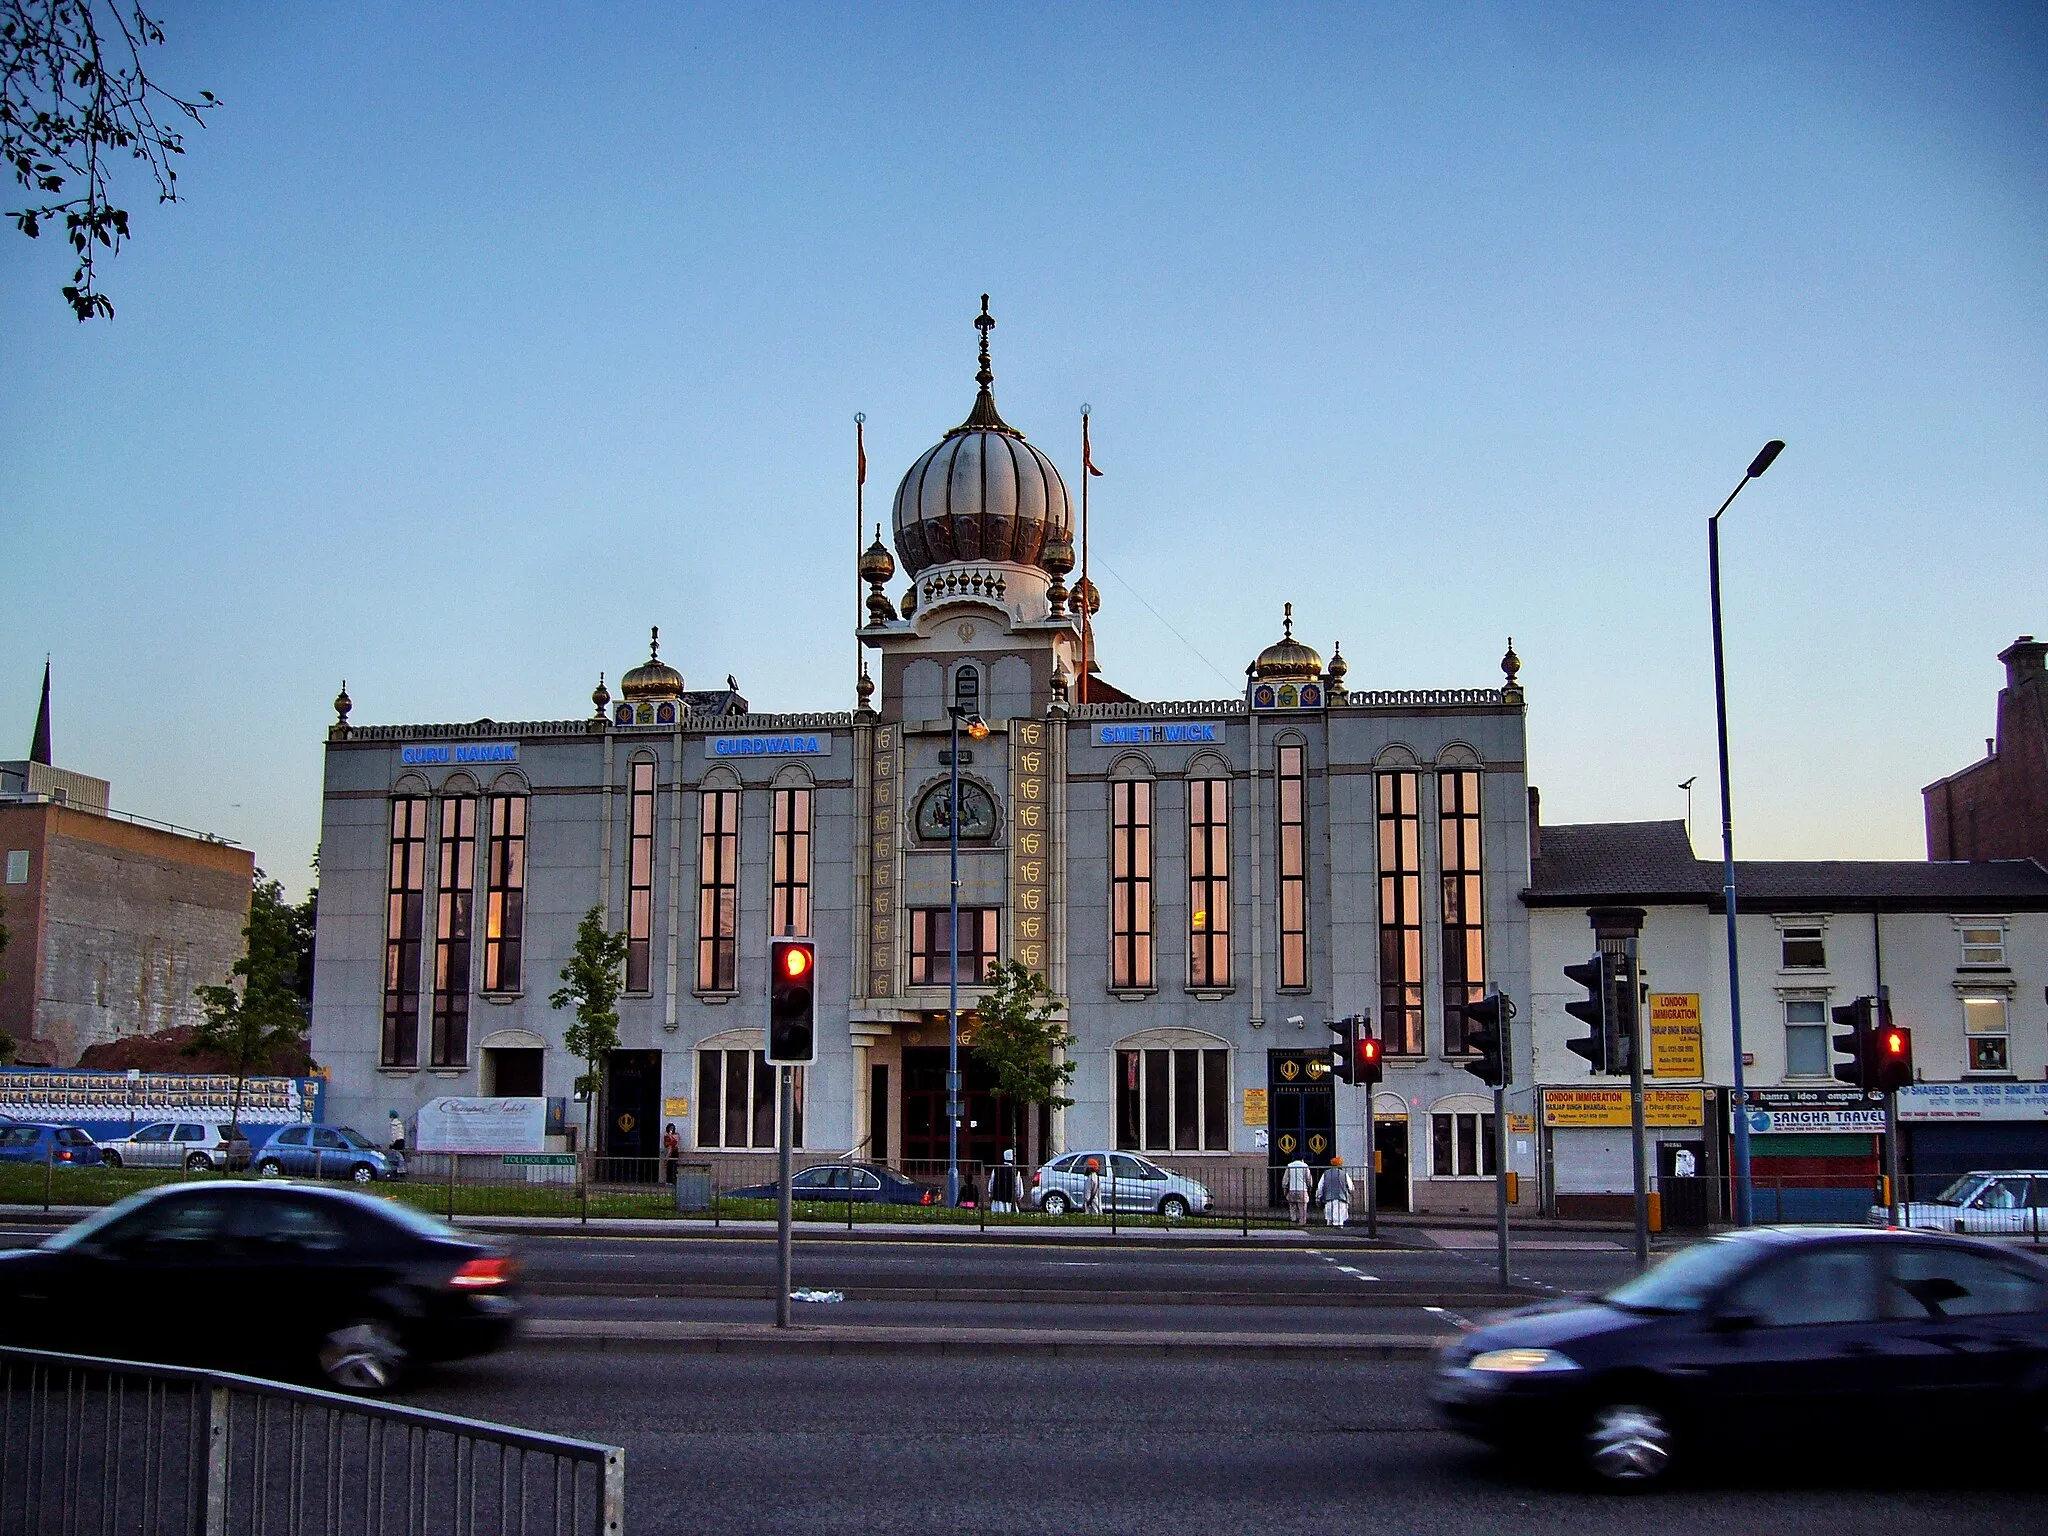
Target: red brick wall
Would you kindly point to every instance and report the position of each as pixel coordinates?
(1998, 809)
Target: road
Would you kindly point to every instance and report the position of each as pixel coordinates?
(885, 1444)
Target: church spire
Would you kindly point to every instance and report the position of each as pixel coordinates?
(39, 749)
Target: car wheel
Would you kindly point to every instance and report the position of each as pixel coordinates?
(365, 1356)
(1055, 1204)
(1173, 1207)
(198, 1162)
(362, 1173)
(1630, 1444)
(270, 1168)
(111, 1159)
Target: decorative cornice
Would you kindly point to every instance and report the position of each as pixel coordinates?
(694, 725)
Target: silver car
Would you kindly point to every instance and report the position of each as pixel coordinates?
(2003, 1200)
(1129, 1183)
(201, 1146)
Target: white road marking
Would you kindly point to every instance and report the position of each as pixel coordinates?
(1463, 1323)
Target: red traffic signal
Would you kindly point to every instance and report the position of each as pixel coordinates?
(1894, 1064)
(1368, 1068)
(792, 1005)
(796, 960)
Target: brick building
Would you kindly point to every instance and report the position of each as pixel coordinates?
(1998, 808)
(112, 920)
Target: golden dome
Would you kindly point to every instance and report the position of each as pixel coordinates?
(1287, 660)
(653, 678)
(1339, 667)
(877, 565)
(1087, 597)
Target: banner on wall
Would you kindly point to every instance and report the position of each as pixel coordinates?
(483, 1125)
(1676, 1049)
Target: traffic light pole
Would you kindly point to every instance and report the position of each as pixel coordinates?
(782, 1144)
(1634, 1013)
(1500, 1166)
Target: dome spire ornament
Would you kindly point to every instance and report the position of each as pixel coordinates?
(1511, 669)
(864, 690)
(1333, 679)
(877, 566)
(983, 418)
(600, 696)
(342, 705)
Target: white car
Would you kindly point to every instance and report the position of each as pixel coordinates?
(200, 1146)
(2004, 1200)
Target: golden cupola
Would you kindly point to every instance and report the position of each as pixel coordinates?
(653, 679)
(1287, 660)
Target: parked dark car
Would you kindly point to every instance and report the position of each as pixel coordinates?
(64, 1145)
(859, 1183)
(1772, 1336)
(262, 1276)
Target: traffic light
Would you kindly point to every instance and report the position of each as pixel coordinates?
(1854, 1043)
(1344, 1050)
(1590, 1009)
(1486, 1033)
(792, 1002)
(1368, 1069)
(1891, 1052)
(1624, 1010)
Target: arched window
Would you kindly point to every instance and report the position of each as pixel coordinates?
(967, 688)
(1208, 873)
(455, 896)
(404, 924)
(736, 1096)
(640, 875)
(718, 887)
(505, 888)
(789, 855)
(1464, 906)
(1172, 1092)
(1292, 777)
(1398, 787)
(1463, 1141)
(1130, 878)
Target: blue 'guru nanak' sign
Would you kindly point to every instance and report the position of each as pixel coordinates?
(464, 752)
(771, 746)
(1157, 735)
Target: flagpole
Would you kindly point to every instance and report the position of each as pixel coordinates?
(860, 521)
(1087, 465)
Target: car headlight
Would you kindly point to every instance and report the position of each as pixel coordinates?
(1517, 1362)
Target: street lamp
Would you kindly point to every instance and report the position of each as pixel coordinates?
(977, 729)
(1757, 466)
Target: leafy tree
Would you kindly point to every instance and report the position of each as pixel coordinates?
(592, 981)
(75, 99)
(249, 1025)
(1018, 1037)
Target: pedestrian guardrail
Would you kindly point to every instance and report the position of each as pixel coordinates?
(90, 1445)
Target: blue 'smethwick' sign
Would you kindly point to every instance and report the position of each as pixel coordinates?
(465, 752)
(1156, 735)
(771, 746)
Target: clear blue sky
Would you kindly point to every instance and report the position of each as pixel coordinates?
(489, 335)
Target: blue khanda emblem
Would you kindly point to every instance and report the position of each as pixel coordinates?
(1311, 696)
(665, 715)
(623, 714)
(1262, 696)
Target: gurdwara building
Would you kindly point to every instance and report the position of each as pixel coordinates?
(1205, 883)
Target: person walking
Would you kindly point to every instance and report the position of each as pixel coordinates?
(1091, 1189)
(1003, 1183)
(397, 1132)
(1294, 1183)
(671, 1153)
(1334, 1190)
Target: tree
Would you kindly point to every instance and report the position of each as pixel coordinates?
(68, 111)
(1017, 1036)
(249, 1025)
(591, 983)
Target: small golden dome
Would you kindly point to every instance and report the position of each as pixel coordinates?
(877, 565)
(910, 601)
(600, 695)
(653, 678)
(1087, 598)
(1338, 665)
(1058, 556)
(1287, 660)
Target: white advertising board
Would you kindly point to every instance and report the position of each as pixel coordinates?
(1974, 1101)
(483, 1125)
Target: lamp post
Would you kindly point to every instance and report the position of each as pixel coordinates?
(977, 728)
(1757, 466)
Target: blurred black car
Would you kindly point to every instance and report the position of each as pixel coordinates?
(262, 1276)
(1772, 1336)
(841, 1183)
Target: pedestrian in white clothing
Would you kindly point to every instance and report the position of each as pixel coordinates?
(1294, 1183)
(1334, 1190)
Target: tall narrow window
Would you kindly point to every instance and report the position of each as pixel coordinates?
(1293, 869)
(931, 946)
(449, 1046)
(505, 894)
(1464, 911)
(640, 878)
(1208, 882)
(718, 893)
(1400, 855)
(404, 921)
(1130, 883)
(790, 856)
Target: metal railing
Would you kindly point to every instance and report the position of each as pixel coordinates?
(91, 1445)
